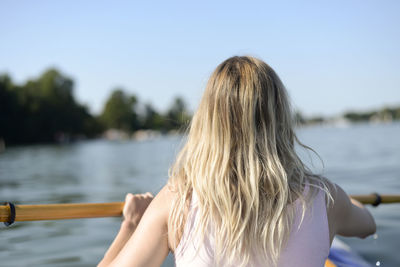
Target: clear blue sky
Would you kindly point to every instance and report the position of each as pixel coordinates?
(331, 55)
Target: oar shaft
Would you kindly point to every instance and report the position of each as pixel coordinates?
(371, 199)
(62, 211)
(113, 209)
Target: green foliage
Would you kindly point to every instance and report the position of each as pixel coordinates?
(299, 118)
(152, 119)
(357, 117)
(385, 114)
(315, 120)
(120, 111)
(177, 116)
(43, 110)
(9, 111)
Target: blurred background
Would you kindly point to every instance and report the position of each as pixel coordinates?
(94, 96)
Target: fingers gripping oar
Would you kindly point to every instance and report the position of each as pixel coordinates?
(10, 213)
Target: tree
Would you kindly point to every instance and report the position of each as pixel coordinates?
(299, 118)
(43, 109)
(9, 109)
(152, 119)
(177, 116)
(120, 111)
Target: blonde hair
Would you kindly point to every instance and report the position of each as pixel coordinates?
(240, 160)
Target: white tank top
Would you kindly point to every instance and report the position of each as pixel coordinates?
(308, 245)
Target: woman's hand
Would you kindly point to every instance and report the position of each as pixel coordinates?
(135, 206)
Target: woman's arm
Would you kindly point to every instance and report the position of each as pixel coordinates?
(148, 244)
(351, 217)
(134, 207)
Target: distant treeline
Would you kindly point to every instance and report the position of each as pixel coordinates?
(45, 110)
(386, 114)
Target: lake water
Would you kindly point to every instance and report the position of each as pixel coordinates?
(361, 158)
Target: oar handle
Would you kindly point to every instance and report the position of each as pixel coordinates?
(61, 211)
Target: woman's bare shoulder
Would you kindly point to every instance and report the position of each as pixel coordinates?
(167, 192)
(162, 203)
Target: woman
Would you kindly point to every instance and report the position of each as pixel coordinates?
(238, 194)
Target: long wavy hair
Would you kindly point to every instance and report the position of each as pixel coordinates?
(240, 160)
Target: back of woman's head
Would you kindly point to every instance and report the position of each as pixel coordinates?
(245, 108)
(240, 161)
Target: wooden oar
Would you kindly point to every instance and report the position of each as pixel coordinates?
(376, 199)
(61, 211)
(114, 209)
